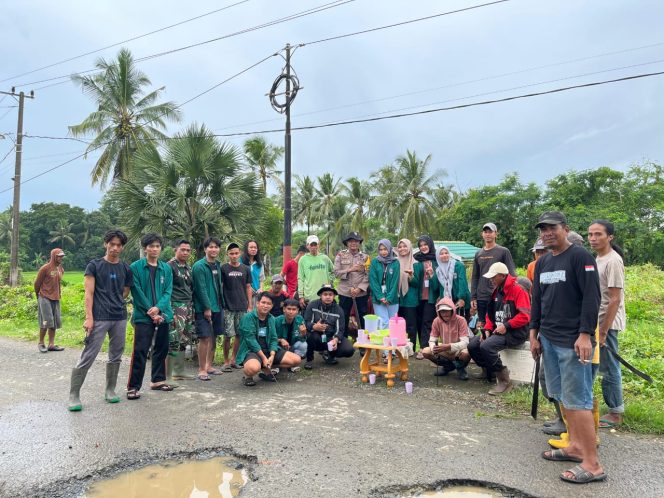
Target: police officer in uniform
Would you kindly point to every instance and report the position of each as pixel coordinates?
(351, 267)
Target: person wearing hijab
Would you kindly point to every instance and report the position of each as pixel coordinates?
(384, 275)
(451, 275)
(425, 275)
(408, 288)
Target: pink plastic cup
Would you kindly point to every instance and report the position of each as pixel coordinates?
(409, 388)
(372, 379)
(386, 341)
(394, 341)
(330, 345)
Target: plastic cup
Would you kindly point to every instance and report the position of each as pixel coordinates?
(394, 341)
(386, 341)
(372, 379)
(330, 345)
(409, 388)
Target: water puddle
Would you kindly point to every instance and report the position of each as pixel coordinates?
(461, 492)
(219, 477)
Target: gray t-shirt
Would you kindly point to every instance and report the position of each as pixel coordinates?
(612, 275)
(484, 258)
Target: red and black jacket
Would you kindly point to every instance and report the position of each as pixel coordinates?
(513, 312)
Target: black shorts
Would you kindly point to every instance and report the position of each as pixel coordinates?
(278, 357)
(212, 328)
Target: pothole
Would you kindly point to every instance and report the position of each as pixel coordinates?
(220, 477)
(451, 488)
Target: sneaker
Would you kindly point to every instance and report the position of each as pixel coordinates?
(249, 381)
(294, 369)
(309, 365)
(329, 360)
(42, 348)
(325, 355)
(462, 374)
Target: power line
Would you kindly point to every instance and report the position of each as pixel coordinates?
(124, 41)
(396, 116)
(297, 15)
(371, 30)
(7, 154)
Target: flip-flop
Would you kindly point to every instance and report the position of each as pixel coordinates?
(203, 377)
(42, 348)
(133, 394)
(249, 381)
(226, 368)
(162, 387)
(55, 348)
(236, 366)
(215, 372)
(582, 476)
(559, 456)
(607, 424)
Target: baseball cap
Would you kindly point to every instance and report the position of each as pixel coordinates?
(551, 218)
(61, 253)
(232, 245)
(277, 278)
(313, 239)
(327, 287)
(490, 226)
(353, 236)
(575, 238)
(539, 246)
(443, 307)
(495, 269)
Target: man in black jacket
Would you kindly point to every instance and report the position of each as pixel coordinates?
(326, 328)
(565, 307)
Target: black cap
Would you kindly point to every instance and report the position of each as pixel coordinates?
(551, 218)
(327, 287)
(352, 236)
(232, 245)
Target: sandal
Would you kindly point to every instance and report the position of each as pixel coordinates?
(236, 366)
(266, 377)
(133, 394)
(608, 424)
(42, 348)
(559, 456)
(226, 368)
(582, 476)
(56, 348)
(203, 377)
(419, 356)
(215, 371)
(162, 387)
(249, 381)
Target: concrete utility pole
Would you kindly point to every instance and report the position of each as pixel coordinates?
(292, 87)
(13, 259)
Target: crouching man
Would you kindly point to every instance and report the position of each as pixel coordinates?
(291, 331)
(506, 325)
(259, 350)
(448, 341)
(324, 319)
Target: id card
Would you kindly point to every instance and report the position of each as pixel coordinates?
(262, 332)
(383, 288)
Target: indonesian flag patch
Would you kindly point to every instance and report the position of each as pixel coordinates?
(590, 268)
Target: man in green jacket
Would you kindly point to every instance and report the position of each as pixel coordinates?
(259, 346)
(208, 309)
(291, 330)
(151, 293)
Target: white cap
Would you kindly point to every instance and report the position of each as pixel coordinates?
(312, 239)
(495, 269)
(490, 226)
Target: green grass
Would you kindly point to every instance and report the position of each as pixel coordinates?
(70, 277)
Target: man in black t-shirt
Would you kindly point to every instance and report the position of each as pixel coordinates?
(107, 283)
(278, 295)
(565, 306)
(236, 280)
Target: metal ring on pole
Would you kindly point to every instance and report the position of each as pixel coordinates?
(295, 86)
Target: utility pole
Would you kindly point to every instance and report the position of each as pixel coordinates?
(13, 259)
(292, 87)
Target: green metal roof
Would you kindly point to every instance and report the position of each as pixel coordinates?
(462, 249)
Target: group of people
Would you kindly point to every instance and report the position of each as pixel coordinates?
(568, 305)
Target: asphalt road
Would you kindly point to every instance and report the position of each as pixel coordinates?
(312, 434)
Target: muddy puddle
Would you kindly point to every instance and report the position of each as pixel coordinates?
(219, 477)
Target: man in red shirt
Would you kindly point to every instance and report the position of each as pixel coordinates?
(289, 272)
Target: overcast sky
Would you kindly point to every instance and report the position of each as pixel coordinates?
(440, 62)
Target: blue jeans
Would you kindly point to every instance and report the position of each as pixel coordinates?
(567, 379)
(385, 313)
(609, 369)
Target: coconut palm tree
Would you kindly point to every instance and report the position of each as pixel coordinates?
(194, 190)
(385, 203)
(358, 197)
(63, 234)
(262, 158)
(328, 193)
(304, 201)
(126, 119)
(415, 188)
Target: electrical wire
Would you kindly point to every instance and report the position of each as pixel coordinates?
(7, 154)
(297, 15)
(403, 23)
(125, 41)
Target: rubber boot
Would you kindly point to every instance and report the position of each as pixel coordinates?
(563, 442)
(460, 366)
(77, 379)
(503, 382)
(170, 366)
(112, 370)
(177, 360)
(596, 419)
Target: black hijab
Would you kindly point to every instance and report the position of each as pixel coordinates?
(431, 255)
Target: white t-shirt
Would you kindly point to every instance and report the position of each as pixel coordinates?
(612, 275)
